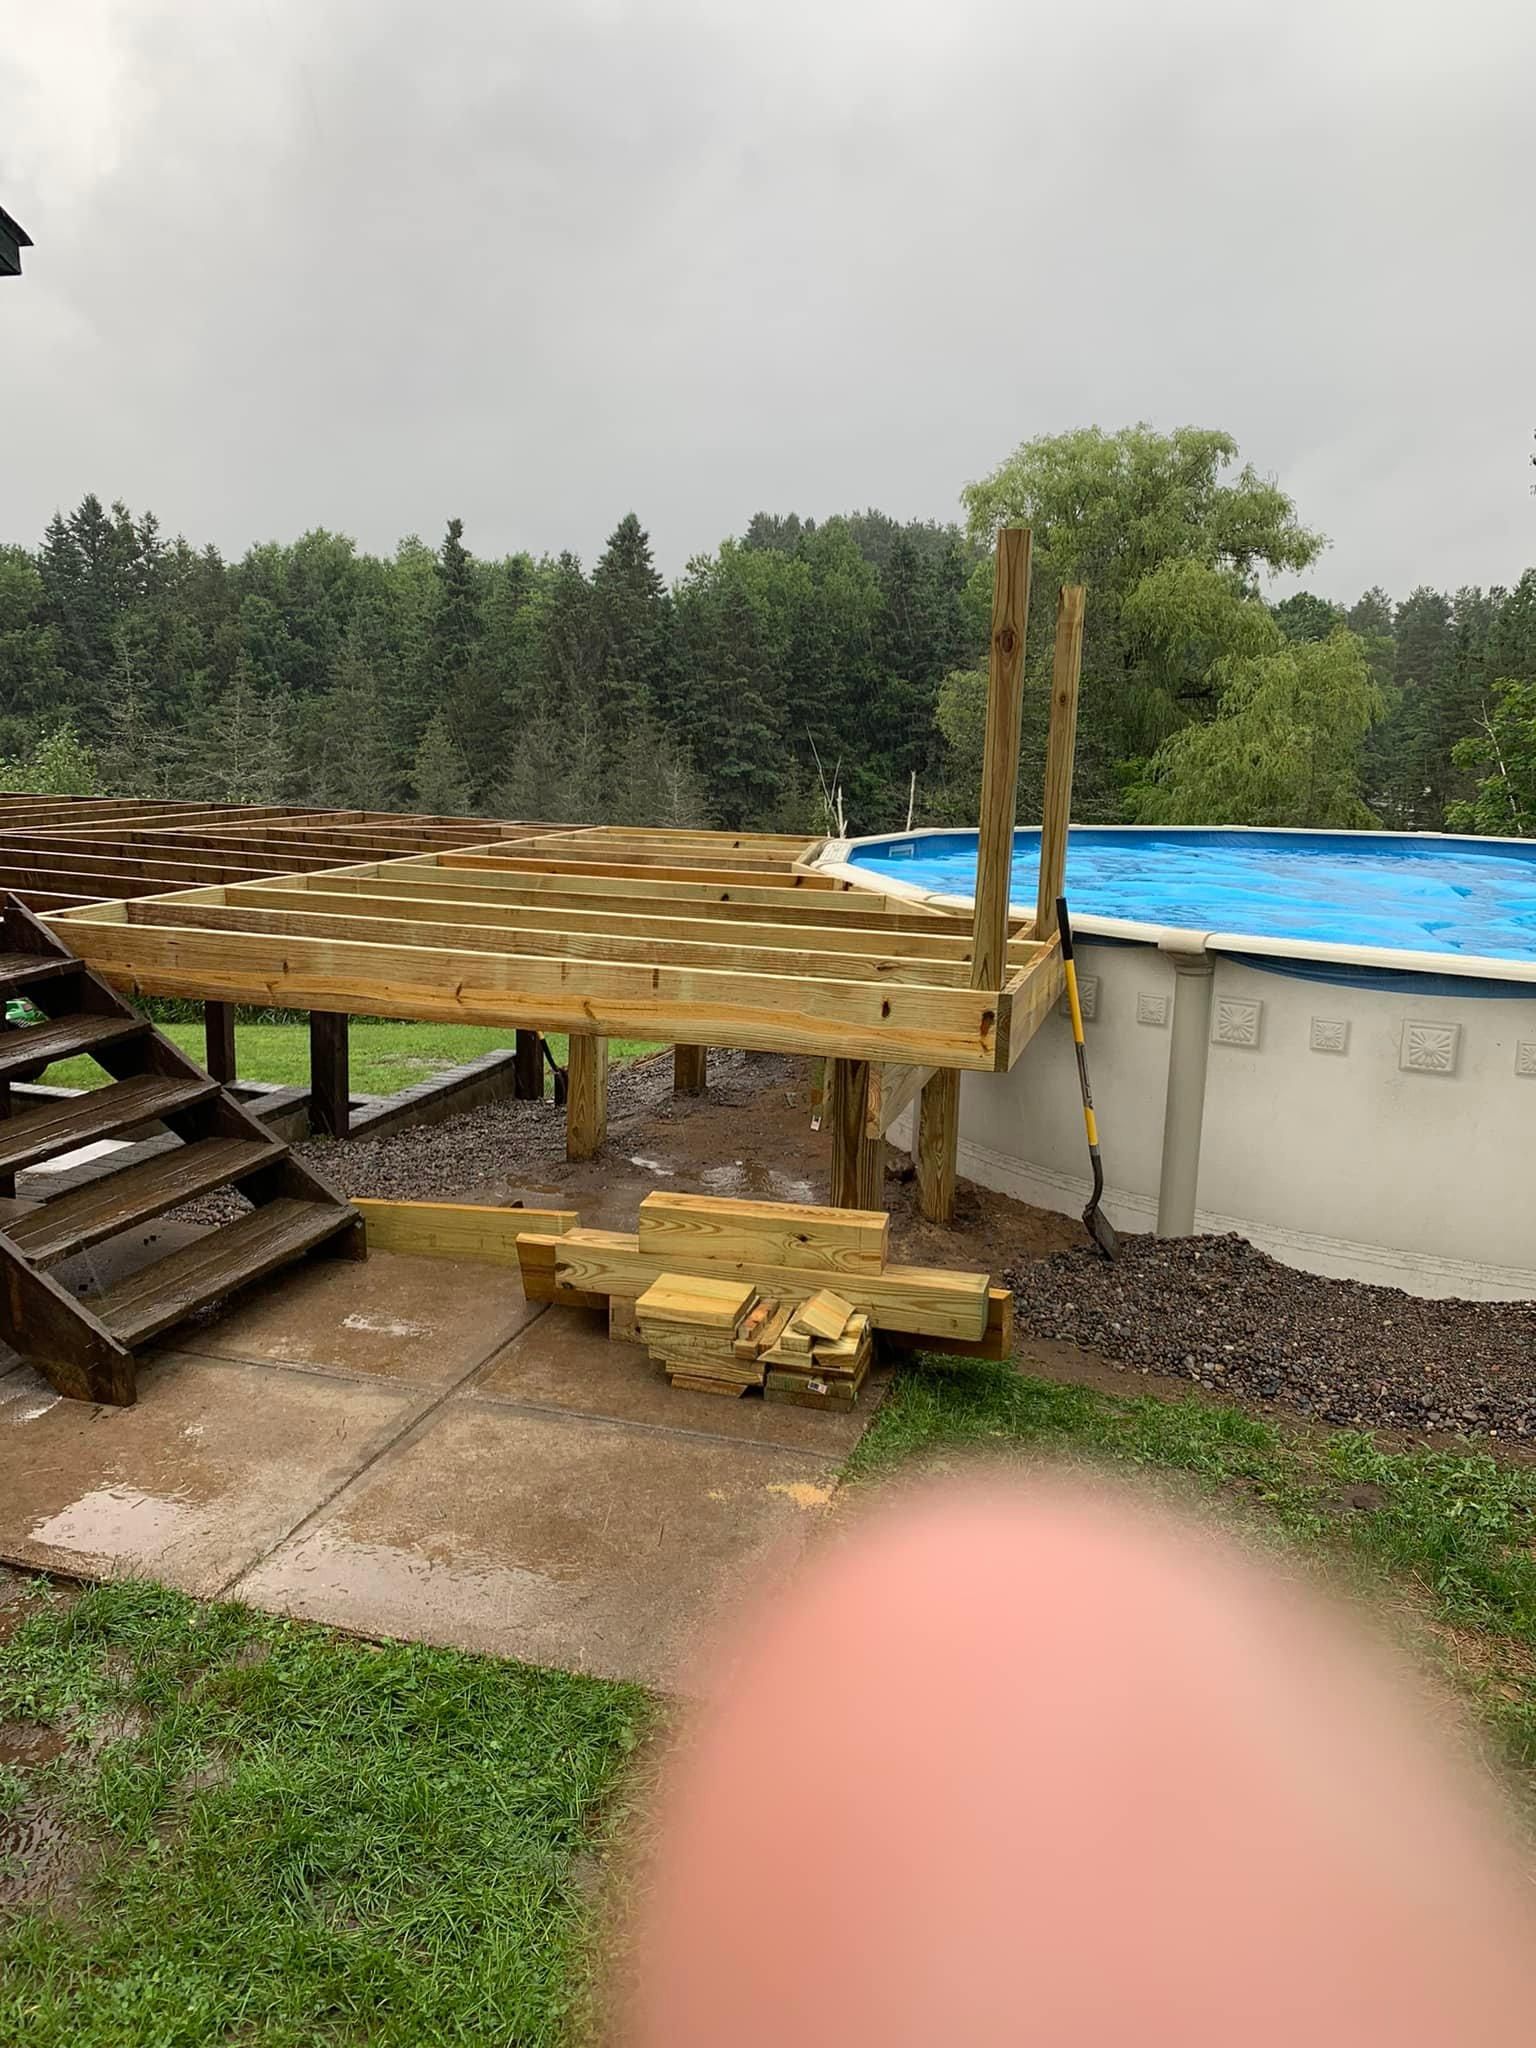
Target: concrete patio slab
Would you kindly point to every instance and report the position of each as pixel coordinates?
(591, 1546)
(425, 1321)
(565, 1362)
(213, 1467)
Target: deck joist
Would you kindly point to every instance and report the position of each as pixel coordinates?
(693, 938)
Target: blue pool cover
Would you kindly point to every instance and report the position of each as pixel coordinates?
(1420, 895)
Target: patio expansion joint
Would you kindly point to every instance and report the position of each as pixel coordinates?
(413, 1420)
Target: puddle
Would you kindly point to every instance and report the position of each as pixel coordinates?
(752, 1177)
(36, 1853)
(24, 1745)
(28, 1403)
(115, 1521)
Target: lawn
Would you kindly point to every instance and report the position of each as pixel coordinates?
(302, 1839)
(386, 1057)
(306, 1840)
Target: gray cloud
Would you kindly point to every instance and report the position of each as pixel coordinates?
(367, 265)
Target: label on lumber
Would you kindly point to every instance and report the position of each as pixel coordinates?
(776, 1233)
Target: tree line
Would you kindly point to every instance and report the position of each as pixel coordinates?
(803, 671)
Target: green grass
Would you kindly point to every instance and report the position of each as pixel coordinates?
(386, 1057)
(1449, 1537)
(306, 1840)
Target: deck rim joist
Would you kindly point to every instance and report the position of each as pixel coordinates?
(641, 936)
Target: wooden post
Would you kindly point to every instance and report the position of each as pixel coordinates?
(330, 1091)
(690, 1069)
(858, 1161)
(219, 1040)
(938, 1133)
(586, 1098)
(1000, 767)
(1056, 800)
(7, 1180)
(528, 1067)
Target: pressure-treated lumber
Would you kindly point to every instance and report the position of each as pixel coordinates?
(690, 1069)
(771, 1013)
(330, 1087)
(825, 1315)
(1000, 767)
(458, 1230)
(528, 1067)
(702, 1302)
(928, 1300)
(858, 1161)
(586, 1098)
(996, 1342)
(892, 1090)
(813, 1240)
(1060, 753)
(219, 1040)
(938, 1142)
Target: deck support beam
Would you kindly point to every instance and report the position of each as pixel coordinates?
(858, 1161)
(330, 1088)
(586, 1096)
(528, 1067)
(938, 1142)
(690, 1069)
(219, 1041)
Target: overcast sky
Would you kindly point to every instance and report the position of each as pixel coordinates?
(364, 265)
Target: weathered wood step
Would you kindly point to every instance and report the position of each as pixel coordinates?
(39, 1045)
(57, 1127)
(172, 1289)
(118, 1201)
(18, 969)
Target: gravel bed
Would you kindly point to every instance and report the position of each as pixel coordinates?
(1226, 1316)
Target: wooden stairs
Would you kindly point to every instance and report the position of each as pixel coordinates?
(86, 1348)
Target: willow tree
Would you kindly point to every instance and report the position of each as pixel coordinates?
(1171, 535)
(1284, 748)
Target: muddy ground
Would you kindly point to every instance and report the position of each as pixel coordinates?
(1211, 1312)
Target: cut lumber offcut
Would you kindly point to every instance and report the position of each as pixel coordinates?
(766, 1334)
(818, 1240)
(699, 1383)
(795, 1341)
(709, 1303)
(930, 1301)
(623, 1326)
(744, 1344)
(458, 1230)
(825, 1315)
(995, 1342)
(811, 1390)
(850, 1353)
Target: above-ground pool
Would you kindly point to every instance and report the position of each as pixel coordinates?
(1414, 893)
(1324, 1040)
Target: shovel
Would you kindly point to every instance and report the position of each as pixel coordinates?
(1098, 1225)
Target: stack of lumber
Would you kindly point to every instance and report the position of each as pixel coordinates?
(820, 1358)
(696, 1329)
(785, 1253)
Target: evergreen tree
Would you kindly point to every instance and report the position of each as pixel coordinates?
(439, 777)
